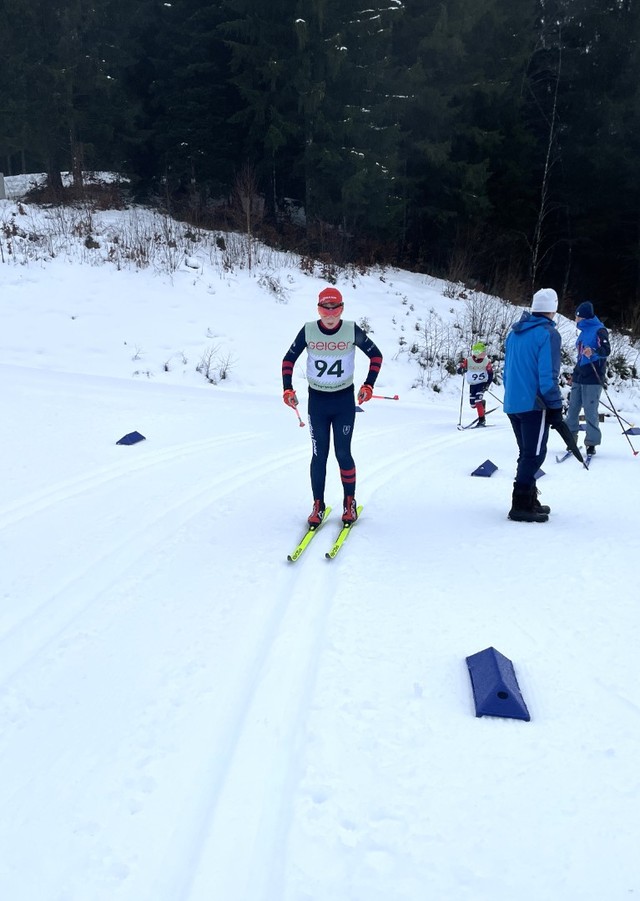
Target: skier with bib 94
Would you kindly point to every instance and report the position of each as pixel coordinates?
(331, 344)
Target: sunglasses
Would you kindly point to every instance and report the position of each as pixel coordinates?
(330, 306)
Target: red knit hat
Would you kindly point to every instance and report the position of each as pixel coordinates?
(331, 294)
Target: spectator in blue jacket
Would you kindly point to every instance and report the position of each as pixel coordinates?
(588, 375)
(532, 398)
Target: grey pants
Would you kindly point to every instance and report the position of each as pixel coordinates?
(587, 398)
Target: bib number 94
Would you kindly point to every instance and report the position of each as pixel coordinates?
(335, 370)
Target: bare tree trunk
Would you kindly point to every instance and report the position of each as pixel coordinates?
(249, 203)
(77, 161)
(537, 250)
(54, 177)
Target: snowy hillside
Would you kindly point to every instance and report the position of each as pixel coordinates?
(186, 716)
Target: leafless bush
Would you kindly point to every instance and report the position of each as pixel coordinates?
(273, 285)
(215, 365)
(452, 290)
(167, 365)
(231, 252)
(488, 319)
(434, 348)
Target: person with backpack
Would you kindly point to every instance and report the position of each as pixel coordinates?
(588, 376)
(330, 343)
(532, 398)
(478, 374)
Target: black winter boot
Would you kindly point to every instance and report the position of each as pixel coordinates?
(522, 505)
(540, 508)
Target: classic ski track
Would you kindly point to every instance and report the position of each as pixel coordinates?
(73, 599)
(244, 814)
(10, 514)
(240, 814)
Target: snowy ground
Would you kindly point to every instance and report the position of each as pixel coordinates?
(185, 716)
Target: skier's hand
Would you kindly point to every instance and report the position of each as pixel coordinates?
(290, 398)
(554, 417)
(365, 394)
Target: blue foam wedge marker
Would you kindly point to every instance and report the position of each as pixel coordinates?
(485, 469)
(495, 687)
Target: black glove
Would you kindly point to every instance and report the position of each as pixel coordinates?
(554, 417)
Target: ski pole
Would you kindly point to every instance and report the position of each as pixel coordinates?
(385, 397)
(635, 452)
(607, 407)
(496, 397)
(461, 399)
(300, 422)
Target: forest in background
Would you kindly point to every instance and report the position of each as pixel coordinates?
(492, 142)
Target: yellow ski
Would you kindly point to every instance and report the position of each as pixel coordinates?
(307, 537)
(342, 537)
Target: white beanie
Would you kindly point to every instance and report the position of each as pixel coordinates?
(545, 301)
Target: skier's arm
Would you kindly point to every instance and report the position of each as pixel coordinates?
(290, 358)
(603, 348)
(366, 345)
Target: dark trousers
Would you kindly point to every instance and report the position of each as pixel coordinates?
(332, 411)
(476, 394)
(531, 430)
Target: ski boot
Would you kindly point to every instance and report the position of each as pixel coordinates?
(317, 514)
(349, 512)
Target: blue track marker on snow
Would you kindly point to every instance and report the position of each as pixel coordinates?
(485, 470)
(131, 438)
(495, 687)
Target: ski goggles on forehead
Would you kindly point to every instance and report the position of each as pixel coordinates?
(330, 306)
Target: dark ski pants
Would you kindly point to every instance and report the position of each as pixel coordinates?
(476, 394)
(532, 431)
(332, 411)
